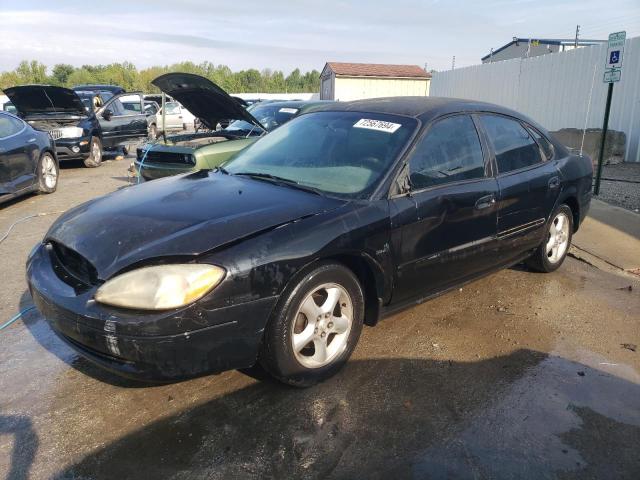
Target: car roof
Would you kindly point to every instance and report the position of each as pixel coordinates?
(299, 104)
(423, 108)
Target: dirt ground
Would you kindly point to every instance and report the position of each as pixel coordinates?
(517, 375)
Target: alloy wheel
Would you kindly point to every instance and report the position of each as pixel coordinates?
(321, 326)
(558, 240)
(49, 171)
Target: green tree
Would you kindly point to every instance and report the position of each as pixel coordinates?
(60, 73)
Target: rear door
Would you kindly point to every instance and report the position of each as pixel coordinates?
(528, 183)
(447, 225)
(17, 168)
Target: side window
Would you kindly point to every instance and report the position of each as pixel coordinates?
(545, 145)
(116, 107)
(9, 126)
(449, 152)
(513, 145)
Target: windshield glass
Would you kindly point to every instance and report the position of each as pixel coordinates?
(269, 115)
(343, 154)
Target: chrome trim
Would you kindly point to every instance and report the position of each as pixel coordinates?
(521, 228)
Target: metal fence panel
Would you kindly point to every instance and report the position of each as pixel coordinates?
(555, 89)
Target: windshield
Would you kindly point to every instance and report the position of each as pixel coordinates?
(343, 154)
(269, 115)
(172, 108)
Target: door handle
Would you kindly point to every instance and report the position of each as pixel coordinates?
(485, 202)
(554, 182)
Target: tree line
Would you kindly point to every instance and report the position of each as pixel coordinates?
(128, 76)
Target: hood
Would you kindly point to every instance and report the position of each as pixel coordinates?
(33, 99)
(184, 215)
(203, 98)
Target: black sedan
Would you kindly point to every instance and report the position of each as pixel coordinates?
(27, 159)
(332, 221)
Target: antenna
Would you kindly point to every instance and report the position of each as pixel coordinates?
(575, 43)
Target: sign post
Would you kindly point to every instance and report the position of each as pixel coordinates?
(612, 74)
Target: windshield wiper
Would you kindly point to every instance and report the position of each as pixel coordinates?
(222, 170)
(281, 180)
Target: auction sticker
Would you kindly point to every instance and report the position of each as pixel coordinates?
(378, 125)
(288, 110)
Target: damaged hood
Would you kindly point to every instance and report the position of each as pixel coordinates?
(39, 99)
(181, 216)
(203, 98)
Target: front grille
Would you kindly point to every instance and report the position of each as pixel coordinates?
(166, 157)
(75, 264)
(55, 134)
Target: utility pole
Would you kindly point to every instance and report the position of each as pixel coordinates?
(575, 43)
(491, 55)
(453, 63)
(425, 67)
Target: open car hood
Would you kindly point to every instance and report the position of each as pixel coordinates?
(203, 98)
(34, 99)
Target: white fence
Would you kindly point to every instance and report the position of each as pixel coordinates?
(555, 89)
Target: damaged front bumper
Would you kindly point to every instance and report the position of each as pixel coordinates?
(155, 346)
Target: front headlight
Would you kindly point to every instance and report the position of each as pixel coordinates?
(160, 287)
(71, 132)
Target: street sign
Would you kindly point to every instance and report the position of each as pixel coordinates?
(612, 75)
(615, 50)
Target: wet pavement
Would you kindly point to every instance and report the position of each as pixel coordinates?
(517, 375)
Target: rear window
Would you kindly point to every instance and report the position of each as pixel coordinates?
(9, 126)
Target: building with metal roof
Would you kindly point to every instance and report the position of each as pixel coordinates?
(532, 47)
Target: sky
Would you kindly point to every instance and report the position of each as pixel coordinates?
(284, 35)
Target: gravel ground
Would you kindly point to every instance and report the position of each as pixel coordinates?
(621, 185)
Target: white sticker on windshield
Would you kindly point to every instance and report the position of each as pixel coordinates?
(379, 125)
(288, 110)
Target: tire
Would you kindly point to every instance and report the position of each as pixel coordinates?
(314, 292)
(551, 253)
(153, 131)
(95, 153)
(48, 173)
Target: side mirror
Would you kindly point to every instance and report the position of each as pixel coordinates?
(107, 114)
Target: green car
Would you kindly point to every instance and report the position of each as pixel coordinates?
(189, 152)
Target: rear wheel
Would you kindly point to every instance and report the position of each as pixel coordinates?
(553, 250)
(153, 132)
(48, 173)
(95, 153)
(315, 328)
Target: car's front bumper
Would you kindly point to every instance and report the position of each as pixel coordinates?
(148, 345)
(73, 148)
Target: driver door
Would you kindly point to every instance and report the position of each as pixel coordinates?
(445, 229)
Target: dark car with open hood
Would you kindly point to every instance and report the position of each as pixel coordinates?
(83, 123)
(333, 220)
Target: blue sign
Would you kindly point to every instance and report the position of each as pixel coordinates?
(614, 56)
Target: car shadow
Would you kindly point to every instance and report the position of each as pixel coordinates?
(45, 336)
(25, 444)
(522, 415)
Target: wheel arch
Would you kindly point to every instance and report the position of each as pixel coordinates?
(571, 200)
(368, 273)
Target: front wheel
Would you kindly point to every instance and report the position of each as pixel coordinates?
(315, 327)
(48, 172)
(553, 250)
(153, 132)
(95, 153)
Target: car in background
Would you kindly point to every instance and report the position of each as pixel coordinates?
(208, 149)
(82, 123)
(28, 160)
(336, 219)
(106, 91)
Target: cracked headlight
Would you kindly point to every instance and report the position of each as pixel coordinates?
(160, 287)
